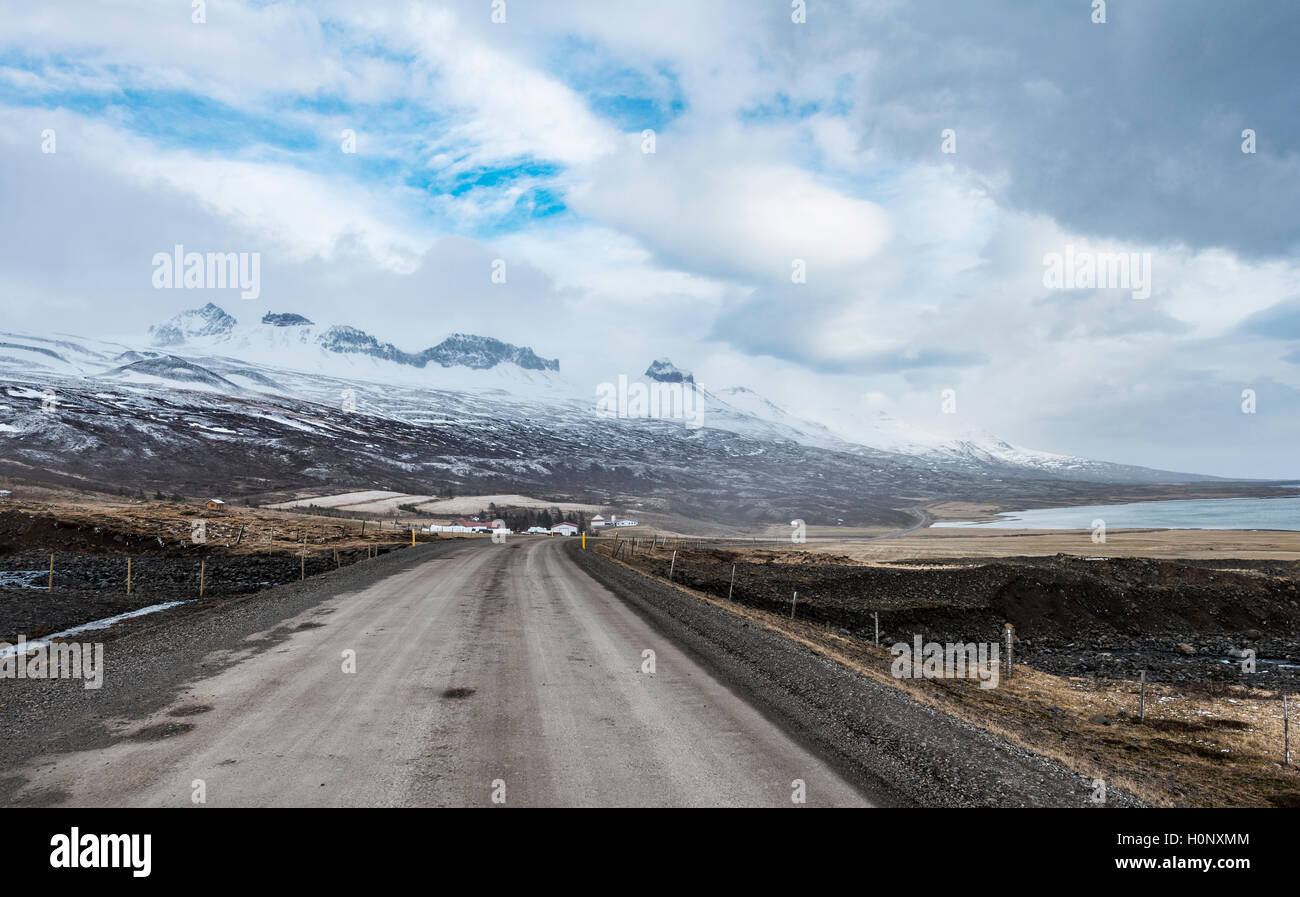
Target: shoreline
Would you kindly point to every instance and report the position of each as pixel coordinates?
(956, 514)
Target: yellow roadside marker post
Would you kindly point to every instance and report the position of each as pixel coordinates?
(584, 541)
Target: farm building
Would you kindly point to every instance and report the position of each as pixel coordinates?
(215, 504)
(564, 529)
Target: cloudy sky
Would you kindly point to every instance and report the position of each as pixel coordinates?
(778, 146)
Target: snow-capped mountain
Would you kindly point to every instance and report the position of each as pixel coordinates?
(206, 401)
(208, 322)
(740, 409)
(213, 329)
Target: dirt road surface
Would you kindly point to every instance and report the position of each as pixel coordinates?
(480, 670)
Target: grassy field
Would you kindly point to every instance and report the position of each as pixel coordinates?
(953, 543)
(95, 523)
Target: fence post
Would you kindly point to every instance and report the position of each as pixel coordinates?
(1010, 658)
(672, 565)
(1286, 733)
(876, 617)
(128, 576)
(1142, 706)
(50, 587)
(793, 600)
(203, 567)
(733, 582)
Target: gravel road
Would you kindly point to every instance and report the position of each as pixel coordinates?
(481, 671)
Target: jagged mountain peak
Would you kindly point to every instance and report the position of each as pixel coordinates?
(458, 350)
(665, 371)
(285, 319)
(481, 352)
(209, 321)
(287, 329)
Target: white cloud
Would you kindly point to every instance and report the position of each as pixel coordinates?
(706, 209)
(908, 256)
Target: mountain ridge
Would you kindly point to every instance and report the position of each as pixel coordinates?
(211, 325)
(255, 420)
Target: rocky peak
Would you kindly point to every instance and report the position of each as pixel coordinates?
(285, 319)
(665, 371)
(208, 321)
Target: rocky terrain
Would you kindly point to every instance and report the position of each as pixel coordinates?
(1109, 618)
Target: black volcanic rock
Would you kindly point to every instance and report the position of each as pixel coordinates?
(481, 352)
(284, 319)
(459, 349)
(349, 340)
(665, 371)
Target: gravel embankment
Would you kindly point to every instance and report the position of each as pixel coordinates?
(903, 753)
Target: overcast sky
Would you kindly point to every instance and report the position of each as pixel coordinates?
(774, 141)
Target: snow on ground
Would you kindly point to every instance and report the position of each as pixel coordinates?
(472, 504)
(380, 502)
(342, 500)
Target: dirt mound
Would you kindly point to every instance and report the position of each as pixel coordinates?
(20, 531)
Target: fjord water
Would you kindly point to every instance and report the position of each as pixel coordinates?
(1215, 513)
